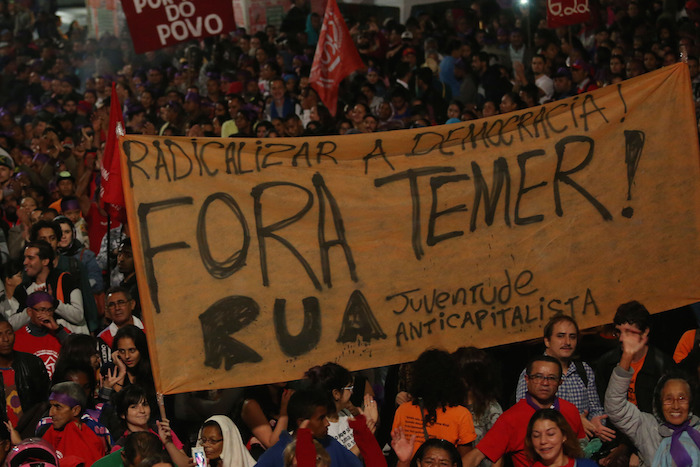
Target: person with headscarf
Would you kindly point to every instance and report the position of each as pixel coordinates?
(223, 444)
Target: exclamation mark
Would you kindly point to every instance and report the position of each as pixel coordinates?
(619, 91)
(634, 142)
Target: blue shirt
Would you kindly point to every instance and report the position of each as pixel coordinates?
(340, 456)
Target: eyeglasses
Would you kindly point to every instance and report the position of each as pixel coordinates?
(538, 378)
(117, 304)
(44, 310)
(349, 388)
(682, 400)
(209, 441)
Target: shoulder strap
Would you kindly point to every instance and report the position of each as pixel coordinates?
(59, 288)
(422, 417)
(581, 370)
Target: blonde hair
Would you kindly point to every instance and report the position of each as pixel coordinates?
(323, 459)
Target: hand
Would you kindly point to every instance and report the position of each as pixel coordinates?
(115, 376)
(370, 411)
(48, 321)
(148, 129)
(402, 447)
(164, 432)
(286, 394)
(402, 397)
(633, 342)
(195, 131)
(15, 437)
(603, 432)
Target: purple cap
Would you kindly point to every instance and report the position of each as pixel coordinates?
(38, 297)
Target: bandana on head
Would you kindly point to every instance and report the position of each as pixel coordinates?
(70, 205)
(37, 297)
(64, 399)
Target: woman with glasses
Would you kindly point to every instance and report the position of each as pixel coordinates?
(337, 382)
(222, 443)
(355, 433)
(551, 441)
(435, 410)
(672, 435)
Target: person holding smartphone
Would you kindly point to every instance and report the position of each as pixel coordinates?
(222, 445)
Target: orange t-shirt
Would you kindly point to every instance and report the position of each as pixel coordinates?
(453, 424)
(685, 345)
(631, 391)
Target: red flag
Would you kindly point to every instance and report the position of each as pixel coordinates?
(567, 12)
(112, 191)
(336, 57)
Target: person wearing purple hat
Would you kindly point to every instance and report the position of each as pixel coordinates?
(43, 336)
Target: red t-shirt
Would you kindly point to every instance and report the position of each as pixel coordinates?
(76, 442)
(45, 347)
(507, 436)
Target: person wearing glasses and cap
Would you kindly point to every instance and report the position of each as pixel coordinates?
(507, 436)
(43, 336)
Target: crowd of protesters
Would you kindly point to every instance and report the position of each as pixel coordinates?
(73, 354)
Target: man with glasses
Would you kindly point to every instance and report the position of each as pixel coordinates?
(120, 308)
(507, 436)
(43, 336)
(578, 384)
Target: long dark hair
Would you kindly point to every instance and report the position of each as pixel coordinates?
(141, 373)
(436, 383)
(479, 375)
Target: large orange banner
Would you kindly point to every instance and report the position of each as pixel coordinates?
(257, 259)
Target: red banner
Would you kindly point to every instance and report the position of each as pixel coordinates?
(336, 57)
(567, 12)
(155, 24)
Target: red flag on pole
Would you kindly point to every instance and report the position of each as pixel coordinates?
(336, 57)
(112, 191)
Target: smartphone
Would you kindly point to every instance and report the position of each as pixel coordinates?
(199, 458)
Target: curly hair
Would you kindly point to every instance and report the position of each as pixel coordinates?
(436, 383)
